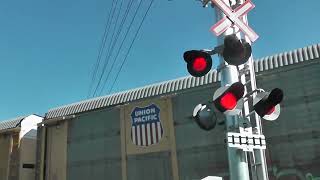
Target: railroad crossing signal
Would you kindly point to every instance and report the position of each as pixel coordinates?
(229, 99)
(234, 51)
(232, 18)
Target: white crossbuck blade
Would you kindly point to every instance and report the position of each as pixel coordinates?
(233, 18)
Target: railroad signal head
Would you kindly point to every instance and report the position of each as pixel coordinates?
(228, 99)
(267, 105)
(204, 116)
(199, 63)
(236, 51)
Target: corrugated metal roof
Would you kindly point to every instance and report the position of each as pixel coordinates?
(263, 64)
(12, 123)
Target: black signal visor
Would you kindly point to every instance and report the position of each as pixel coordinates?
(264, 106)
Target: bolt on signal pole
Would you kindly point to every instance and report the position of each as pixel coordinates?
(237, 159)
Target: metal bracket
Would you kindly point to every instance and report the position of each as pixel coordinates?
(216, 50)
(206, 2)
(256, 90)
(244, 70)
(221, 66)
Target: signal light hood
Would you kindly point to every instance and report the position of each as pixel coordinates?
(236, 51)
(205, 117)
(266, 104)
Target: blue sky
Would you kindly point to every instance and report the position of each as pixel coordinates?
(48, 48)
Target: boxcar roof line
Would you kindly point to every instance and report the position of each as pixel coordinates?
(262, 64)
(12, 123)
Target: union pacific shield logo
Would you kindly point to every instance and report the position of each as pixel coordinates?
(146, 126)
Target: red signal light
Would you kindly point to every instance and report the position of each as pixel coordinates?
(228, 101)
(199, 64)
(271, 110)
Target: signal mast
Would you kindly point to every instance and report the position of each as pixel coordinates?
(233, 97)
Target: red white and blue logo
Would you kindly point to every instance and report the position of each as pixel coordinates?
(146, 125)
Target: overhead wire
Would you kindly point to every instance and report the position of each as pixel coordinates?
(102, 45)
(122, 42)
(113, 32)
(135, 36)
(116, 40)
(108, 48)
(106, 60)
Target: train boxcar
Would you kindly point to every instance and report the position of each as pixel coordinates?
(148, 133)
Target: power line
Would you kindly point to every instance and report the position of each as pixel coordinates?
(113, 32)
(135, 13)
(113, 12)
(118, 52)
(112, 36)
(102, 46)
(145, 15)
(116, 40)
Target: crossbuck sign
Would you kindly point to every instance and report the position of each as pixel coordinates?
(233, 17)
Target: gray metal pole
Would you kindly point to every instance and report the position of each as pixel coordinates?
(237, 158)
(239, 169)
(259, 154)
(260, 166)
